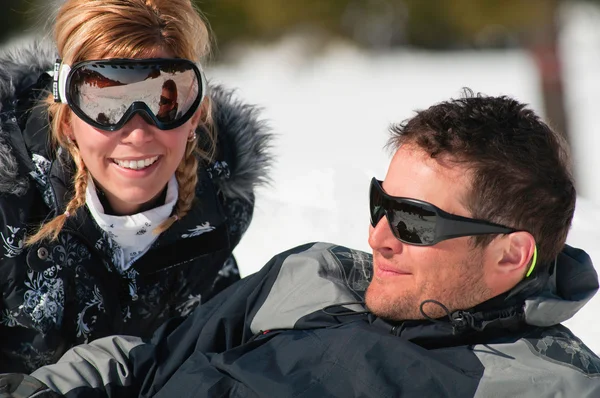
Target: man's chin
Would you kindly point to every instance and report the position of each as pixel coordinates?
(386, 303)
(377, 301)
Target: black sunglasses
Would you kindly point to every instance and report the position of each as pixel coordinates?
(107, 93)
(165, 101)
(419, 223)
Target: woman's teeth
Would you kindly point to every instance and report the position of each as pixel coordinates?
(136, 164)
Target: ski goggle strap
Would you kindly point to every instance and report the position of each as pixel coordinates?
(61, 72)
(107, 93)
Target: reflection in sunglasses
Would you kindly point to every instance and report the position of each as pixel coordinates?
(413, 228)
(165, 101)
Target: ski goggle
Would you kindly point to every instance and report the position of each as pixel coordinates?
(419, 223)
(107, 93)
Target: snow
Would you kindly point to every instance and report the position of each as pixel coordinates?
(331, 113)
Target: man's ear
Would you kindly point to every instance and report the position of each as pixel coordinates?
(516, 251)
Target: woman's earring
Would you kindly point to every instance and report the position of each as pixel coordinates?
(192, 136)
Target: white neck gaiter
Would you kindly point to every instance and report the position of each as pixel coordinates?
(131, 236)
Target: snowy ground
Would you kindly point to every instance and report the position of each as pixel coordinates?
(331, 114)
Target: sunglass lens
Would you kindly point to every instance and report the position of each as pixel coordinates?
(412, 223)
(376, 202)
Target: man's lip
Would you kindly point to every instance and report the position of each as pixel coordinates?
(389, 268)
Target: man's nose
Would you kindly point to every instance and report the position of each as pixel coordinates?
(382, 239)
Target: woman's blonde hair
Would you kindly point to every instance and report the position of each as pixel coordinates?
(97, 29)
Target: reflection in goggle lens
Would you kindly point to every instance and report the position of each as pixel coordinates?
(104, 92)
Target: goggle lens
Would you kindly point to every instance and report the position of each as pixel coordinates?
(107, 93)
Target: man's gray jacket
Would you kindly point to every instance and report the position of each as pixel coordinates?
(297, 329)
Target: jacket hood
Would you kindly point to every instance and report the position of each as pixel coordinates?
(572, 281)
(547, 298)
(248, 138)
(21, 63)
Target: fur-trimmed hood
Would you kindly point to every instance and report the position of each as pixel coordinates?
(248, 137)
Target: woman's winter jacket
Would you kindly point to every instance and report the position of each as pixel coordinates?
(56, 294)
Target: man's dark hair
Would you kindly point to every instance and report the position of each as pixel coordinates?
(170, 86)
(520, 167)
